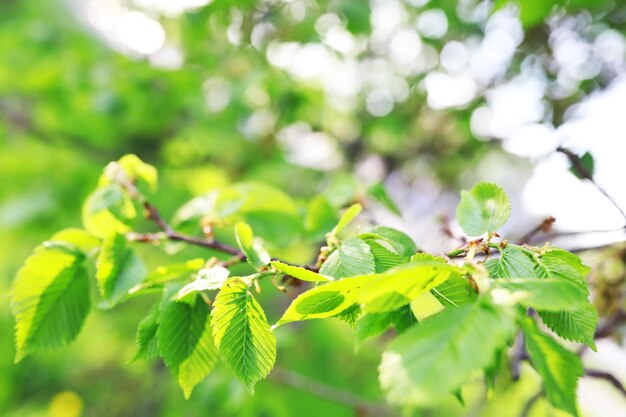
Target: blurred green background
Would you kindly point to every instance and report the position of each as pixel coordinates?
(315, 97)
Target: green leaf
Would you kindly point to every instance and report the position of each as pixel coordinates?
(146, 338)
(547, 294)
(118, 269)
(432, 360)
(300, 273)
(242, 334)
(326, 300)
(514, 262)
(558, 367)
(320, 218)
(425, 305)
(455, 291)
(50, 300)
(577, 325)
(78, 238)
(400, 241)
(185, 341)
(350, 315)
(171, 272)
(485, 208)
(273, 215)
(379, 193)
(107, 210)
(129, 168)
(587, 164)
(256, 255)
(347, 217)
(374, 324)
(397, 287)
(385, 256)
(353, 257)
(559, 263)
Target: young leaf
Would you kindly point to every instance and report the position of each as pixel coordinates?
(107, 210)
(185, 342)
(118, 269)
(374, 324)
(146, 338)
(485, 208)
(385, 256)
(433, 359)
(546, 294)
(301, 273)
(347, 217)
(207, 279)
(379, 193)
(397, 287)
(455, 291)
(353, 257)
(242, 334)
(256, 255)
(79, 238)
(320, 217)
(131, 169)
(558, 367)
(402, 244)
(514, 262)
(326, 300)
(50, 300)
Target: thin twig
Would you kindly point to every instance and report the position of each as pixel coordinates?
(583, 172)
(337, 395)
(607, 376)
(545, 226)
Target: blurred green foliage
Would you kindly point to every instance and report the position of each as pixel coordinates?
(69, 103)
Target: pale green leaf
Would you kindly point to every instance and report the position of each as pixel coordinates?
(385, 256)
(547, 294)
(79, 238)
(130, 169)
(107, 210)
(485, 208)
(300, 273)
(146, 338)
(353, 257)
(432, 360)
(118, 269)
(400, 241)
(514, 262)
(326, 300)
(242, 334)
(346, 218)
(255, 253)
(50, 300)
(397, 287)
(186, 343)
(208, 279)
(379, 193)
(558, 367)
(455, 291)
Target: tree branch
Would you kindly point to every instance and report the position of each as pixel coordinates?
(326, 392)
(583, 172)
(545, 226)
(607, 376)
